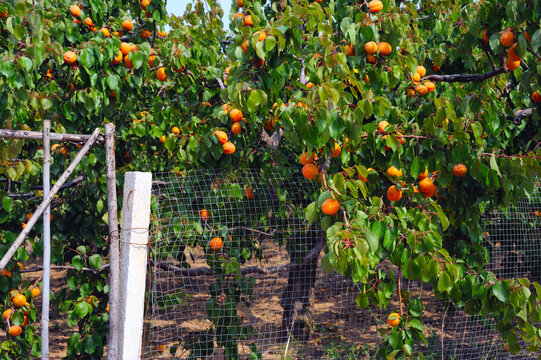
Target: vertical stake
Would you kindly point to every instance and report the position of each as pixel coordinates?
(114, 257)
(134, 239)
(46, 241)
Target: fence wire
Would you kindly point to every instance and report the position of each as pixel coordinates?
(259, 292)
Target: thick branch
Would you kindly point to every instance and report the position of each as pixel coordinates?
(466, 77)
(272, 141)
(65, 267)
(521, 114)
(38, 135)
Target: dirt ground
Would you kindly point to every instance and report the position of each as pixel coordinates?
(339, 328)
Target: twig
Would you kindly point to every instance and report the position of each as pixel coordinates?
(327, 162)
(466, 77)
(65, 267)
(399, 291)
(533, 52)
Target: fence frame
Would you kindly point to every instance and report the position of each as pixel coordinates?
(89, 140)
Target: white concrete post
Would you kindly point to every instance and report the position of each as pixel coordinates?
(133, 261)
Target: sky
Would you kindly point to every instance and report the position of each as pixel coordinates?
(177, 7)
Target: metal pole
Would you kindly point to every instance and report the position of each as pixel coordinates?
(46, 242)
(41, 208)
(114, 252)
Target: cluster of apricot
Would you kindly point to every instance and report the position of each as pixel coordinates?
(247, 21)
(19, 303)
(70, 57)
(371, 49)
(420, 89)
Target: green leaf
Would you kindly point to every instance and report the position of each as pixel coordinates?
(311, 212)
(494, 165)
(95, 261)
(501, 291)
(373, 240)
(87, 58)
(113, 80)
(82, 309)
(443, 218)
(25, 63)
(137, 59)
(7, 203)
(77, 262)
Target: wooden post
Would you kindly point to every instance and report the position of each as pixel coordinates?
(46, 241)
(47, 201)
(36, 135)
(135, 225)
(114, 257)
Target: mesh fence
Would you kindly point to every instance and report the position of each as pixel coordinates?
(234, 273)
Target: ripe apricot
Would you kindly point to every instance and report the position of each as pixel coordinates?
(423, 175)
(485, 38)
(310, 171)
(236, 115)
(70, 57)
(144, 4)
(229, 148)
(19, 300)
(162, 34)
(384, 48)
(160, 74)
(394, 172)
(393, 194)
(262, 36)
(236, 128)
(125, 48)
(304, 159)
(239, 3)
(216, 243)
(15, 330)
(105, 32)
(375, 6)
(421, 70)
(350, 50)
(460, 170)
(416, 77)
(7, 313)
(127, 25)
(330, 207)
(382, 125)
(248, 20)
(536, 96)
(371, 59)
(128, 62)
(430, 86)
(431, 190)
(222, 136)
(336, 151)
(204, 214)
(75, 10)
(512, 54)
(393, 319)
(162, 139)
(35, 291)
(368, 172)
(248, 192)
(507, 38)
(5, 272)
(88, 22)
(425, 184)
(244, 47)
(118, 58)
(175, 130)
(421, 90)
(512, 64)
(527, 36)
(237, 16)
(371, 47)
(310, 85)
(144, 33)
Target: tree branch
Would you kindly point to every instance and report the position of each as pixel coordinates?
(65, 267)
(272, 141)
(466, 77)
(533, 52)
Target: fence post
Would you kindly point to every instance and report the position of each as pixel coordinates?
(133, 261)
